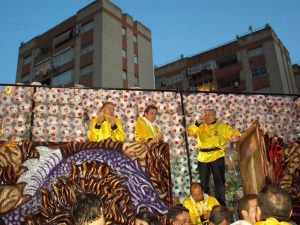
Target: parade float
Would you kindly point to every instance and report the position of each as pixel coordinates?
(46, 158)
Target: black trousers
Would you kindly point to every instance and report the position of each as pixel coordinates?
(217, 168)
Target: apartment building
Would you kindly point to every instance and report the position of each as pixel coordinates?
(256, 62)
(97, 47)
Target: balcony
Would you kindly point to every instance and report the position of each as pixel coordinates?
(223, 73)
(204, 75)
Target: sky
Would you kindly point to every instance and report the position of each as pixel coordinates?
(178, 26)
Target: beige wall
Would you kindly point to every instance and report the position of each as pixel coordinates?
(245, 74)
(130, 51)
(111, 53)
(146, 74)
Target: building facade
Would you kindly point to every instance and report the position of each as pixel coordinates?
(256, 62)
(296, 68)
(98, 47)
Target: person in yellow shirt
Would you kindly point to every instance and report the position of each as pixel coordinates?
(274, 206)
(145, 129)
(212, 137)
(106, 125)
(199, 204)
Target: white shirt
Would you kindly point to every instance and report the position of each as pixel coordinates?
(241, 222)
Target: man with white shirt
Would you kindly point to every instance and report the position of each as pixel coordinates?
(145, 129)
(247, 210)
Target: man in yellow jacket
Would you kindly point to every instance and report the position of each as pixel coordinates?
(199, 204)
(106, 125)
(212, 137)
(274, 206)
(145, 129)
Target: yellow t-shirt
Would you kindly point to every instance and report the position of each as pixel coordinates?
(143, 132)
(209, 136)
(202, 207)
(106, 131)
(272, 221)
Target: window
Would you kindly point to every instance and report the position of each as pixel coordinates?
(63, 57)
(62, 79)
(86, 70)
(135, 59)
(169, 80)
(174, 79)
(25, 78)
(136, 81)
(87, 48)
(206, 86)
(255, 52)
(124, 75)
(123, 31)
(27, 60)
(178, 78)
(134, 38)
(260, 71)
(42, 68)
(88, 26)
(63, 37)
(124, 52)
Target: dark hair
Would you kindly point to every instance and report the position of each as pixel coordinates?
(274, 201)
(106, 103)
(88, 207)
(218, 214)
(150, 107)
(196, 184)
(2, 222)
(244, 203)
(149, 217)
(175, 211)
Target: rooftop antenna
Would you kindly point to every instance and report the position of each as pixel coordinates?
(250, 28)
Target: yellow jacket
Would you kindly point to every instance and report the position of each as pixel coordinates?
(202, 207)
(272, 221)
(210, 136)
(143, 132)
(106, 131)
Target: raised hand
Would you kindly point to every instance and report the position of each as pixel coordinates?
(235, 138)
(101, 118)
(159, 135)
(111, 119)
(200, 119)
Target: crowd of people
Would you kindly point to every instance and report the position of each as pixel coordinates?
(272, 206)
